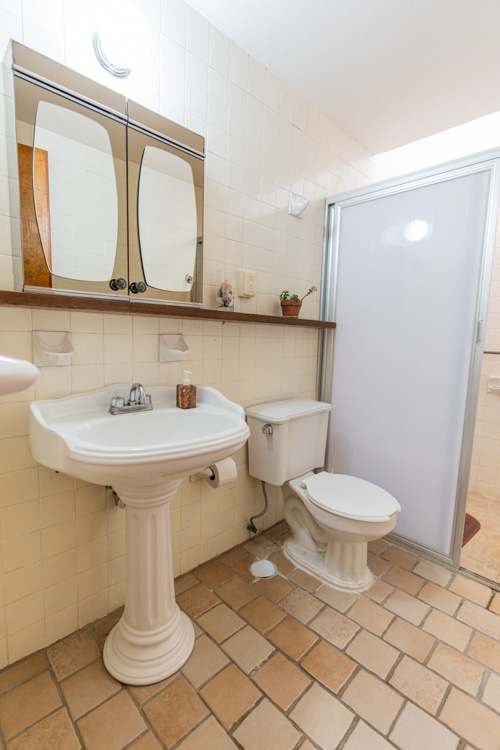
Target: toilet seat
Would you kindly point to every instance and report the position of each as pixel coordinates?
(350, 497)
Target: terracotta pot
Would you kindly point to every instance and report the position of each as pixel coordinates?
(290, 308)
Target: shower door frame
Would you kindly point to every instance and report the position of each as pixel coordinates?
(484, 161)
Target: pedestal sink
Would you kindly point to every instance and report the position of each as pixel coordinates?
(143, 456)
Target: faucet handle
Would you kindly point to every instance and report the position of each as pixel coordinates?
(147, 398)
(117, 401)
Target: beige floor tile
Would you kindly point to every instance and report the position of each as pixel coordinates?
(322, 717)
(419, 684)
(469, 719)
(457, 668)
(231, 557)
(301, 605)
(400, 557)
(230, 695)
(143, 693)
(236, 593)
(472, 590)
(185, 583)
(282, 680)
(22, 671)
(261, 547)
(440, 598)
(402, 579)
(112, 725)
(197, 600)
(28, 703)
(305, 580)
(485, 650)
(407, 607)
(495, 604)
(265, 727)
(334, 627)
(208, 736)
(247, 649)
(262, 614)
(55, 732)
(205, 661)
(410, 639)
(339, 600)
(106, 625)
(274, 588)
(379, 591)
(214, 574)
(491, 694)
(88, 688)
(371, 616)
(416, 730)
(373, 700)
(292, 638)
(480, 619)
(433, 572)
(147, 742)
(365, 738)
(221, 622)
(282, 563)
(73, 653)
(377, 565)
(174, 712)
(378, 546)
(373, 653)
(447, 629)
(329, 666)
(242, 568)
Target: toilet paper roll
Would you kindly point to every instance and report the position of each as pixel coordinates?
(224, 472)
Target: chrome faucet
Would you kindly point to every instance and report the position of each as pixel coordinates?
(138, 400)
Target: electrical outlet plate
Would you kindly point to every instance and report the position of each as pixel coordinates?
(247, 283)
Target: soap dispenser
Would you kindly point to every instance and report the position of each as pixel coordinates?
(186, 393)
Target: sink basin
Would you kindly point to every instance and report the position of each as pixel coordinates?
(77, 435)
(143, 456)
(16, 375)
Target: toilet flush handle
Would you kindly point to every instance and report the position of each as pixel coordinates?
(267, 429)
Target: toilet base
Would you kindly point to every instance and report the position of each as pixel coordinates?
(314, 563)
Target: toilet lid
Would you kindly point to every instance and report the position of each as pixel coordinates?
(350, 497)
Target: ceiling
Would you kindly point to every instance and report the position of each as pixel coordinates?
(389, 72)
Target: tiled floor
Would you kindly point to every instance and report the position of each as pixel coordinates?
(283, 663)
(482, 554)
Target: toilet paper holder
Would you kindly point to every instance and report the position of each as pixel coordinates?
(219, 474)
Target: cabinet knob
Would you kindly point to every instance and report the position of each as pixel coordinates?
(138, 287)
(116, 284)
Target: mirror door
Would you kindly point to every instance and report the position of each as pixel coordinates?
(72, 175)
(165, 220)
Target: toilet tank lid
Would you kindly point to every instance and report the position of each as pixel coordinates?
(277, 412)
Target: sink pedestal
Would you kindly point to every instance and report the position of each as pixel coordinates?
(153, 638)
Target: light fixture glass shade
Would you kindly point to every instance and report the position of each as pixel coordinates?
(122, 37)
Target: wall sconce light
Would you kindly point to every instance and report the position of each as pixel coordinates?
(122, 36)
(297, 205)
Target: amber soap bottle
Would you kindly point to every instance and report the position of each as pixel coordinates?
(186, 393)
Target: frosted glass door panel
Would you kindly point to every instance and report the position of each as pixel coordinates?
(409, 268)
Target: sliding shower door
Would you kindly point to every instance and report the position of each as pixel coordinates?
(408, 266)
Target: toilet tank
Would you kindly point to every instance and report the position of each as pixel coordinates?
(295, 442)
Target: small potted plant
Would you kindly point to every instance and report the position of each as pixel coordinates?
(291, 303)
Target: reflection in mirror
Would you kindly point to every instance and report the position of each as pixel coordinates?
(168, 232)
(78, 223)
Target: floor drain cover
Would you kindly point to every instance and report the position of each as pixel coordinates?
(263, 569)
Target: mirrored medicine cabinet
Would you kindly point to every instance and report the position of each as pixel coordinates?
(111, 194)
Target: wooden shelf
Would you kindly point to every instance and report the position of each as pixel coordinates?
(126, 307)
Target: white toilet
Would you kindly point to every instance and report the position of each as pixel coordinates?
(332, 516)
